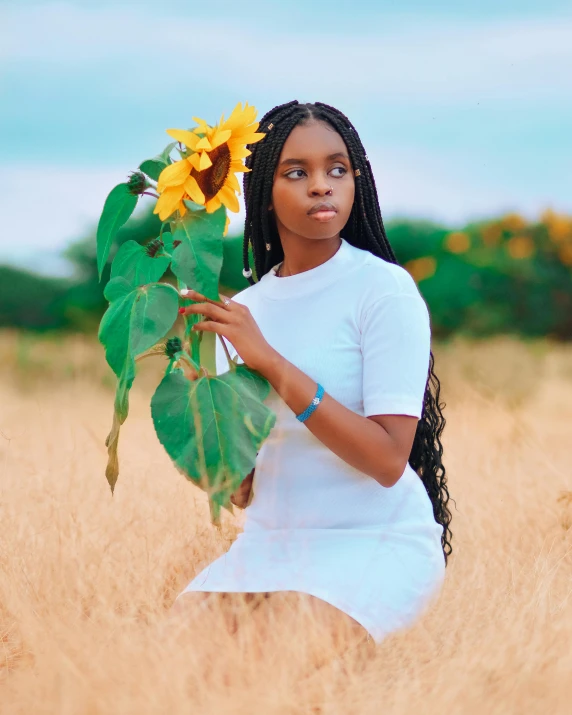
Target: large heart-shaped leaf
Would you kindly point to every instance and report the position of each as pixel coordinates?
(118, 207)
(143, 264)
(137, 317)
(212, 428)
(153, 167)
(258, 384)
(197, 257)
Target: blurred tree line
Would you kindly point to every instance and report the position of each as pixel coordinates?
(504, 275)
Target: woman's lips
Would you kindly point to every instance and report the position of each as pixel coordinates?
(323, 215)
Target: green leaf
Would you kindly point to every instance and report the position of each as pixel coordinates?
(136, 319)
(197, 260)
(212, 428)
(153, 167)
(121, 409)
(255, 382)
(118, 207)
(192, 206)
(133, 262)
(164, 156)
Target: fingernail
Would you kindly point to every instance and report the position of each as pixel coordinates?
(184, 291)
(181, 310)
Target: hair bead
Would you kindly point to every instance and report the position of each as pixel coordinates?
(357, 172)
(247, 273)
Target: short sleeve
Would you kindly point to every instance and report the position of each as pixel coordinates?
(395, 344)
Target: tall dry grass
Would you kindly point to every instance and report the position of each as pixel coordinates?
(85, 579)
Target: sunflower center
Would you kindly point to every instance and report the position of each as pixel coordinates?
(212, 180)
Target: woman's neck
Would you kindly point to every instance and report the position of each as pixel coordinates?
(313, 254)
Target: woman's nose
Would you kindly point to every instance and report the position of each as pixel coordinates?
(320, 187)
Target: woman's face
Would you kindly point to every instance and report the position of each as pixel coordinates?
(314, 159)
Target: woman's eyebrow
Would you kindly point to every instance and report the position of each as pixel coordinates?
(303, 161)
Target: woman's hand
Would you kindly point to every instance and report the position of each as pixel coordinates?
(233, 321)
(242, 496)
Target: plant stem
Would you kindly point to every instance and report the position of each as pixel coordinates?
(150, 353)
(230, 361)
(147, 193)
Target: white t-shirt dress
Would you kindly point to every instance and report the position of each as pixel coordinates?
(358, 325)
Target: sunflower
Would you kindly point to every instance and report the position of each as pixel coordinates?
(207, 174)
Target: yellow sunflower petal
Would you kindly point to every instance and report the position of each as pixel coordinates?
(240, 117)
(203, 126)
(203, 145)
(220, 137)
(173, 175)
(205, 161)
(194, 190)
(240, 131)
(232, 182)
(213, 204)
(182, 209)
(252, 138)
(228, 198)
(195, 161)
(187, 138)
(238, 152)
(168, 201)
(226, 226)
(237, 166)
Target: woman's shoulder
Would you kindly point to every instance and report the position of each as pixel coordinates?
(379, 278)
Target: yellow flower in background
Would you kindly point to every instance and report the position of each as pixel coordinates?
(421, 268)
(457, 242)
(520, 247)
(559, 226)
(513, 222)
(207, 174)
(491, 234)
(565, 254)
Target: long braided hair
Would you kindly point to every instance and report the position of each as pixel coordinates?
(365, 230)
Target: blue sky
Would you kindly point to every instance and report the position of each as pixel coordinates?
(465, 109)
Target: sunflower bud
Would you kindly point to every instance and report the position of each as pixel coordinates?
(137, 182)
(153, 247)
(173, 346)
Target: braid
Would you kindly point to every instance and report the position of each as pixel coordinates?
(364, 229)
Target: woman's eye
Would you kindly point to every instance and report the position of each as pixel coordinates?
(343, 169)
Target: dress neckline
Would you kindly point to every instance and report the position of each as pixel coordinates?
(308, 281)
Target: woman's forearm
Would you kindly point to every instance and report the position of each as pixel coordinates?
(359, 441)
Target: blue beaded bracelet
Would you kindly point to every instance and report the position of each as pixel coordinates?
(312, 406)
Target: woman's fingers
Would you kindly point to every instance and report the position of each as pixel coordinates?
(212, 311)
(195, 295)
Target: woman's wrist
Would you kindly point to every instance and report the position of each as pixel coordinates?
(270, 364)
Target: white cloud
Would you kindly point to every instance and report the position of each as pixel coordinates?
(406, 59)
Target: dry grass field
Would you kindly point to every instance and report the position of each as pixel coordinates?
(86, 578)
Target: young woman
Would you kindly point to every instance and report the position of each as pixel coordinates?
(347, 503)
